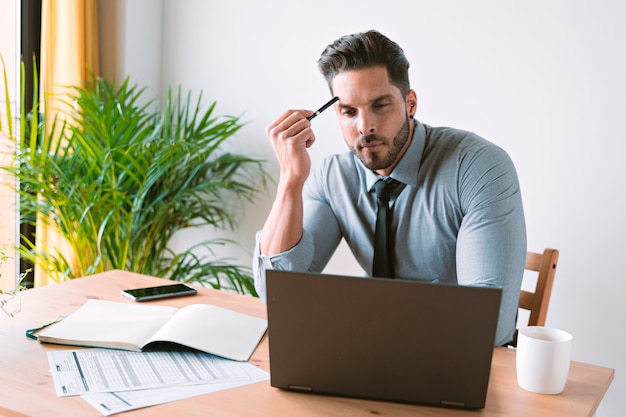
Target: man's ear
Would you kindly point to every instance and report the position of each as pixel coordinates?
(411, 103)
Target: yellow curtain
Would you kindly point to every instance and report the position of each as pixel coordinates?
(69, 54)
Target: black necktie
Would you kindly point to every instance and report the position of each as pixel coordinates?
(383, 253)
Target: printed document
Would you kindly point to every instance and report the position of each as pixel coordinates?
(109, 403)
(77, 372)
(113, 381)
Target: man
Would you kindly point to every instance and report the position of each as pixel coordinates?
(456, 207)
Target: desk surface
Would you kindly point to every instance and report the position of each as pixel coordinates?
(27, 388)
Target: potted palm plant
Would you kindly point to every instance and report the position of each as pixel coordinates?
(121, 179)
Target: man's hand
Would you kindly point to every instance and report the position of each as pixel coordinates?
(291, 135)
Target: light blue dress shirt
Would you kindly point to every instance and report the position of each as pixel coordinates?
(457, 217)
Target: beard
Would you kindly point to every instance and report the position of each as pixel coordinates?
(378, 162)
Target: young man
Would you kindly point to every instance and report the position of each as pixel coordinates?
(456, 207)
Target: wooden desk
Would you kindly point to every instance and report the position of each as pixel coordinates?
(26, 387)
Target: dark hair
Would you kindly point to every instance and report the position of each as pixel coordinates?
(363, 50)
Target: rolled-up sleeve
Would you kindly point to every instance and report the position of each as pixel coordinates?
(297, 258)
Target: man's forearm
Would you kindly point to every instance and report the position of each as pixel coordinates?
(283, 227)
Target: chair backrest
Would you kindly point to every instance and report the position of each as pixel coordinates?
(537, 302)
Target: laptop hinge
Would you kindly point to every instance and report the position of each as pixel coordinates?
(452, 403)
(299, 388)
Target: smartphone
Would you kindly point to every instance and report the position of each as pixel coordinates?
(154, 293)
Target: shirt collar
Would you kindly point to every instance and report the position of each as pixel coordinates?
(407, 169)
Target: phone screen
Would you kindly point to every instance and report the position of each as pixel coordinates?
(153, 293)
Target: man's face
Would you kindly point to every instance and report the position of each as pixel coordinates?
(373, 116)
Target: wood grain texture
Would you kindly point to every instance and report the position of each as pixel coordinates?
(27, 388)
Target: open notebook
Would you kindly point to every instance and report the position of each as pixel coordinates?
(381, 339)
(135, 327)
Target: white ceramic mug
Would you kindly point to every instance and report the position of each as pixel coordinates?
(543, 359)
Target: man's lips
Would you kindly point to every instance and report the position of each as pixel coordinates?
(369, 146)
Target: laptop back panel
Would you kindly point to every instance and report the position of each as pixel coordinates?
(381, 339)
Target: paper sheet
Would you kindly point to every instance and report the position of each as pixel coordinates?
(77, 372)
(113, 381)
(116, 402)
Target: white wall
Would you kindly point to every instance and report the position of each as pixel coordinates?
(130, 40)
(544, 80)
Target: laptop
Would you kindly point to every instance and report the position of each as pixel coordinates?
(381, 339)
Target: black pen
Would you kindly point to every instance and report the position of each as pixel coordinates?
(321, 109)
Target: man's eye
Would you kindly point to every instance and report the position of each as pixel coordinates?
(348, 112)
(381, 105)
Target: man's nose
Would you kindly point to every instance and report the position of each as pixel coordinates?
(366, 124)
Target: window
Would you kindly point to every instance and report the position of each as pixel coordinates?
(20, 34)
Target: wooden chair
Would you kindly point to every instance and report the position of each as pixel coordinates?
(537, 302)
